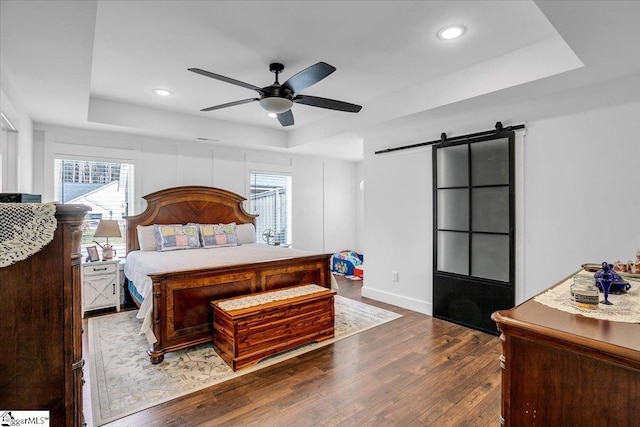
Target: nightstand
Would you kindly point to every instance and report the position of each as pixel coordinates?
(100, 285)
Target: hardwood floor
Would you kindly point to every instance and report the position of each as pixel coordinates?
(413, 371)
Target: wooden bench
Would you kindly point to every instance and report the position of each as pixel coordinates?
(248, 328)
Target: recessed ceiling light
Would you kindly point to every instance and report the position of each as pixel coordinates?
(161, 92)
(451, 32)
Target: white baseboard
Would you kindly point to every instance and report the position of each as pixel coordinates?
(398, 300)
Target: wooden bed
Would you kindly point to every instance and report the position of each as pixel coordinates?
(181, 314)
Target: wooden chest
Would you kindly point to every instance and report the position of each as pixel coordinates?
(248, 328)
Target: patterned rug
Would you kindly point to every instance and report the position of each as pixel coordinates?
(123, 381)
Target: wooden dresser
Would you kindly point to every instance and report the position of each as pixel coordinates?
(41, 326)
(561, 369)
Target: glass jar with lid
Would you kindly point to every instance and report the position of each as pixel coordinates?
(584, 293)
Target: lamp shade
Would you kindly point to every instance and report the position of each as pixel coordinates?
(108, 228)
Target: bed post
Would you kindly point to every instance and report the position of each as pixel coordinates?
(156, 353)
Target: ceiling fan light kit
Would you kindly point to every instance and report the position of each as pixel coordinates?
(278, 99)
(275, 104)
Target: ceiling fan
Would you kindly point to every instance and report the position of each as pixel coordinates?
(279, 99)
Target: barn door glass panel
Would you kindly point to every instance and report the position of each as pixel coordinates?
(453, 252)
(453, 209)
(490, 256)
(454, 170)
(490, 209)
(490, 162)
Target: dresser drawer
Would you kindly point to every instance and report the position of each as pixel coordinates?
(90, 270)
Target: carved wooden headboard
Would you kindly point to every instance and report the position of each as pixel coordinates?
(180, 205)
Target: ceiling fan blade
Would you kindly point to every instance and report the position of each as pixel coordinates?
(226, 79)
(286, 118)
(309, 76)
(330, 104)
(230, 104)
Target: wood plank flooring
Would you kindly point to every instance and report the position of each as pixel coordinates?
(413, 371)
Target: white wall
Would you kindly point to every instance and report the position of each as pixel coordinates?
(323, 189)
(578, 167)
(398, 228)
(582, 173)
(341, 189)
(20, 149)
(308, 202)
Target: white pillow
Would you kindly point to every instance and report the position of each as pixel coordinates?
(146, 238)
(246, 233)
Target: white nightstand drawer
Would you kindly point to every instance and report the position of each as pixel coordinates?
(99, 269)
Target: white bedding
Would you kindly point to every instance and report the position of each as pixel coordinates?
(140, 264)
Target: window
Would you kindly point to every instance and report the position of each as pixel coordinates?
(270, 198)
(106, 187)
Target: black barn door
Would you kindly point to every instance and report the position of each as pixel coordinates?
(474, 229)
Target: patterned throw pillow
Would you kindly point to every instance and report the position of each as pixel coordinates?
(173, 237)
(147, 237)
(218, 235)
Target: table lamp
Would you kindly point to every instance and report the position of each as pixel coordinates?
(107, 228)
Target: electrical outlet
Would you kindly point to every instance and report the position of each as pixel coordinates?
(394, 276)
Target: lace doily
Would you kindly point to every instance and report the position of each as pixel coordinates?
(258, 299)
(625, 308)
(25, 228)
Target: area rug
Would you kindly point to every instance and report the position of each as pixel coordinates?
(123, 381)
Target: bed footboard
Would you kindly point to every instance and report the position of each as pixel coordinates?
(181, 312)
